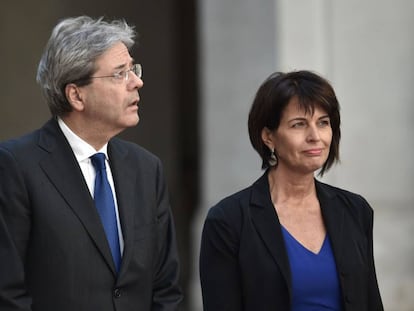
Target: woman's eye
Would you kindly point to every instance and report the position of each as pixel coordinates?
(324, 123)
(298, 124)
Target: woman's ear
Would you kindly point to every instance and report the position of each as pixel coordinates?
(267, 138)
(74, 96)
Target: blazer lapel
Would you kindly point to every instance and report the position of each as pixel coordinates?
(267, 225)
(63, 170)
(333, 216)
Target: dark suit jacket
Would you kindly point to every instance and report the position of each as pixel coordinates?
(56, 254)
(244, 263)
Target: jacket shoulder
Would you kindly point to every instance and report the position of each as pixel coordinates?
(354, 204)
(346, 195)
(231, 206)
(239, 203)
(20, 143)
(134, 149)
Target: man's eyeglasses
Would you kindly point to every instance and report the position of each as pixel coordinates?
(124, 75)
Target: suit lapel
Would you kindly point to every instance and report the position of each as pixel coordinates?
(64, 172)
(267, 225)
(124, 174)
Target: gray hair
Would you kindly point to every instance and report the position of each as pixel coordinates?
(71, 52)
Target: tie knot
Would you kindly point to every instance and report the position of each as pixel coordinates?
(98, 161)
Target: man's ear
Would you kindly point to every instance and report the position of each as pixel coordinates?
(267, 138)
(74, 96)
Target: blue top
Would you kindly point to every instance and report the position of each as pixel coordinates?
(315, 284)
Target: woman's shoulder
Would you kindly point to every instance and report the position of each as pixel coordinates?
(230, 203)
(238, 203)
(232, 208)
(330, 191)
(354, 203)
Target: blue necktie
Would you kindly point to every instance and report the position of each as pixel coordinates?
(104, 202)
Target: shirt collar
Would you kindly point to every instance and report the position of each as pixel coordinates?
(81, 148)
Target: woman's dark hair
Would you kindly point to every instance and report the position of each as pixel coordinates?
(274, 95)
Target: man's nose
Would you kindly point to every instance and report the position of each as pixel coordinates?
(135, 81)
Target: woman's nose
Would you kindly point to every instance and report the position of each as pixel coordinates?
(313, 133)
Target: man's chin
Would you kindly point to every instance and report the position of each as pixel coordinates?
(133, 121)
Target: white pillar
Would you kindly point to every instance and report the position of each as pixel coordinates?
(237, 53)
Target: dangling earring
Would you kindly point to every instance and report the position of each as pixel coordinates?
(272, 159)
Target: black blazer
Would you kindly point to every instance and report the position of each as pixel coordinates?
(244, 263)
(54, 246)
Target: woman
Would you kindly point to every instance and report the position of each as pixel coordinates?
(290, 242)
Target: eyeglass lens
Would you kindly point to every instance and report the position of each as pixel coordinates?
(137, 69)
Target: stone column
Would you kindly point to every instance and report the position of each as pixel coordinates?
(237, 49)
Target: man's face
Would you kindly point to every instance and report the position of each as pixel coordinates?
(110, 104)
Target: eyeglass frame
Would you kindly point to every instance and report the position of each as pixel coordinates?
(123, 75)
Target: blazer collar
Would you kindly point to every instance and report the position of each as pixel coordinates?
(268, 226)
(333, 213)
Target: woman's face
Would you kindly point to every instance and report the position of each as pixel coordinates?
(302, 141)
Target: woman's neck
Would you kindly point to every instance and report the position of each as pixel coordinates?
(290, 187)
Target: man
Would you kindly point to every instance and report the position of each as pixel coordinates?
(76, 236)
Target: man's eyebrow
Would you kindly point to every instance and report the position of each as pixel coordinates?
(122, 66)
